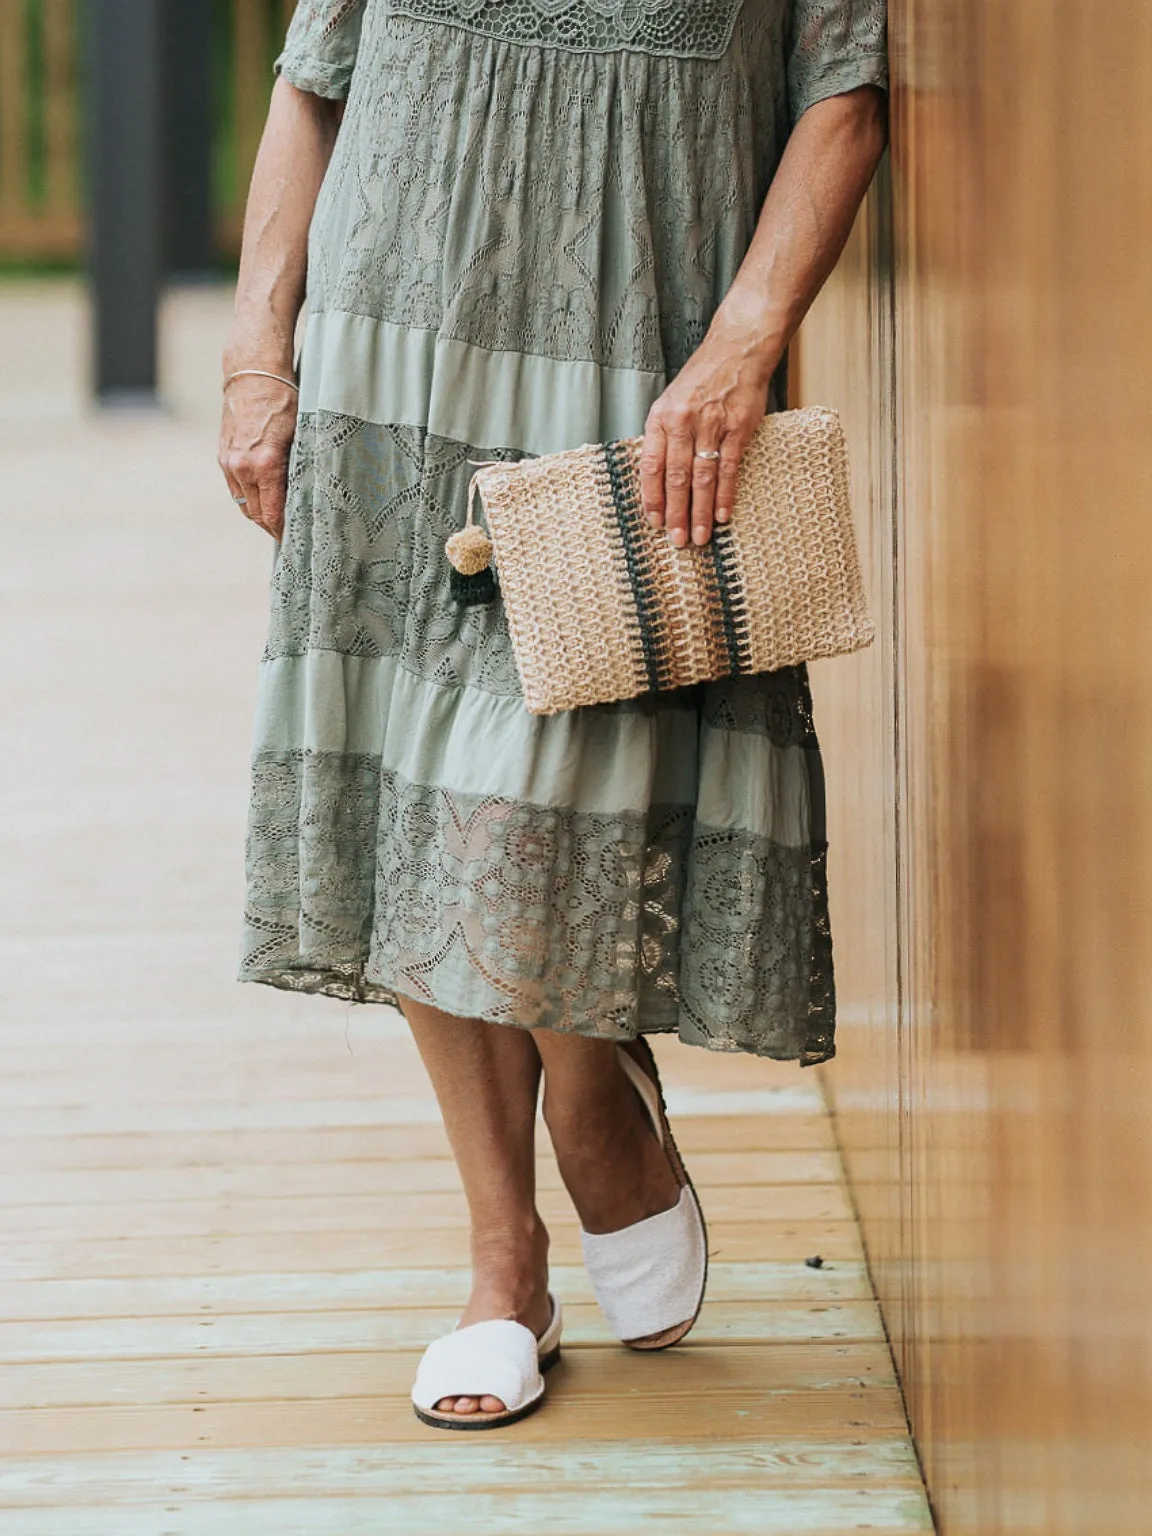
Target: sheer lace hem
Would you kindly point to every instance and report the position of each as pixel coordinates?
(363, 885)
(349, 986)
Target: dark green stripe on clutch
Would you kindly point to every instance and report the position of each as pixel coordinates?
(736, 641)
(629, 513)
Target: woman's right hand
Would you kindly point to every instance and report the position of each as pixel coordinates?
(256, 433)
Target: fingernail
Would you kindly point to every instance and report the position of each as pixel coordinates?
(722, 514)
(679, 537)
(700, 535)
(655, 519)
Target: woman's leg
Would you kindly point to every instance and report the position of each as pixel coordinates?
(487, 1078)
(611, 1162)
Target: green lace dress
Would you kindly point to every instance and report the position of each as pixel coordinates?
(533, 209)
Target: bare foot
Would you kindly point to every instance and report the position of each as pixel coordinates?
(509, 1280)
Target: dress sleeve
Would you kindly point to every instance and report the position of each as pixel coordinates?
(320, 51)
(835, 46)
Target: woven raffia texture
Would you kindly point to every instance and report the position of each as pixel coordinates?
(602, 606)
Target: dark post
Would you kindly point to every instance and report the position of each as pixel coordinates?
(186, 79)
(124, 113)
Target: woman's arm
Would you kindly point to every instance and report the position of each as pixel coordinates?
(719, 397)
(259, 414)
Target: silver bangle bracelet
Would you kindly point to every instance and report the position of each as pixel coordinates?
(261, 373)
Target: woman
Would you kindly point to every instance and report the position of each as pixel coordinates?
(529, 224)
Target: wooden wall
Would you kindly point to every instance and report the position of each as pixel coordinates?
(990, 761)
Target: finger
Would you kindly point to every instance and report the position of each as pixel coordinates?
(731, 452)
(272, 490)
(652, 456)
(705, 472)
(678, 486)
(245, 486)
(251, 507)
(247, 498)
(231, 480)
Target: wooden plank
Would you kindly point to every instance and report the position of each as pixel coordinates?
(413, 1327)
(704, 1371)
(256, 1181)
(82, 1116)
(387, 1211)
(596, 1512)
(864, 1416)
(375, 1290)
(734, 1242)
(495, 1464)
(324, 1065)
(727, 1136)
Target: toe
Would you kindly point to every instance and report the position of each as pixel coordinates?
(491, 1405)
(465, 1405)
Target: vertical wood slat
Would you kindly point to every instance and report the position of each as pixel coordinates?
(249, 38)
(60, 103)
(13, 110)
(257, 32)
(36, 226)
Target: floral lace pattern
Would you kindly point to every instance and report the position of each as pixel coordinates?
(580, 209)
(684, 28)
(363, 885)
(361, 569)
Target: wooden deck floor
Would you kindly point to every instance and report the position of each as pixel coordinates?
(228, 1217)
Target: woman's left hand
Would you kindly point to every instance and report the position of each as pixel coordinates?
(696, 434)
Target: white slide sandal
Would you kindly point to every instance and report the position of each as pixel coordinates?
(650, 1278)
(499, 1358)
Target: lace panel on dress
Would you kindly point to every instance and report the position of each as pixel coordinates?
(683, 28)
(362, 885)
(361, 569)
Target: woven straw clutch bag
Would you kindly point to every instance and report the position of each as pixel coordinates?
(601, 606)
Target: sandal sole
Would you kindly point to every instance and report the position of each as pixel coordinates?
(648, 1064)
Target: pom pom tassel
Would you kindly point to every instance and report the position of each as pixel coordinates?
(475, 590)
(473, 581)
